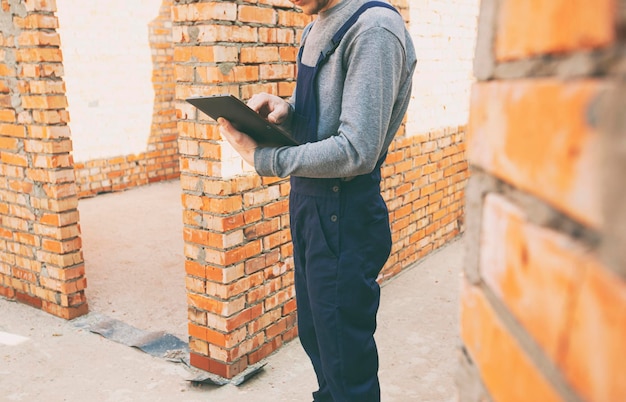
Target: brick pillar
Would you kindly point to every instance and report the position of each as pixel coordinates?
(41, 261)
(543, 304)
(237, 244)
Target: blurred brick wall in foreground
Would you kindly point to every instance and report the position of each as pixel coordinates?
(543, 305)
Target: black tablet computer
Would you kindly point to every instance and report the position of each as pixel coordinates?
(242, 118)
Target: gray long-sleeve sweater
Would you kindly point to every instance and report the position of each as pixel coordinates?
(363, 92)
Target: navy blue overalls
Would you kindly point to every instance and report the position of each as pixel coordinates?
(341, 237)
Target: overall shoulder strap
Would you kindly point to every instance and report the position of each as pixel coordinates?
(336, 39)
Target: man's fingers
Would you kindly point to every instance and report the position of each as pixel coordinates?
(256, 102)
(278, 115)
(228, 131)
(235, 137)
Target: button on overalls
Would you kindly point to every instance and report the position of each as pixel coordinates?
(341, 237)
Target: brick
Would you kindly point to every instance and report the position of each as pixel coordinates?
(224, 308)
(277, 71)
(529, 28)
(40, 5)
(205, 54)
(7, 116)
(293, 19)
(235, 288)
(13, 159)
(240, 254)
(288, 53)
(276, 35)
(265, 350)
(32, 21)
(30, 55)
(64, 287)
(66, 273)
(277, 3)
(259, 54)
(48, 147)
(52, 161)
(260, 15)
(279, 298)
(59, 219)
(276, 239)
(277, 328)
(276, 208)
(38, 38)
(264, 321)
(4, 84)
(596, 336)
(214, 75)
(228, 370)
(24, 275)
(52, 117)
(44, 102)
(12, 130)
(67, 313)
(262, 229)
(6, 71)
(262, 196)
(204, 11)
(497, 353)
(28, 299)
(534, 270)
(535, 135)
(215, 33)
(243, 318)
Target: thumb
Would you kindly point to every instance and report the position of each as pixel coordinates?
(276, 117)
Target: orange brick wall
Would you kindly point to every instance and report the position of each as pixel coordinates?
(237, 242)
(543, 305)
(41, 262)
(160, 160)
(424, 179)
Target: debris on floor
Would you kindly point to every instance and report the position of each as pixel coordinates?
(158, 344)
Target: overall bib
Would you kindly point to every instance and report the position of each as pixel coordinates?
(341, 238)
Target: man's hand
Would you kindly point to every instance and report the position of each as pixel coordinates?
(275, 109)
(242, 143)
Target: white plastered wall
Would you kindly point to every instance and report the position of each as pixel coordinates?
(108, 74)
(444, 35)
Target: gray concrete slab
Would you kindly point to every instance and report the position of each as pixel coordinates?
(46, 358)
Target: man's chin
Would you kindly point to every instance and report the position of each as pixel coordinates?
(306, 6)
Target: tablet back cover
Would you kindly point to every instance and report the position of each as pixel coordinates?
(242, 118)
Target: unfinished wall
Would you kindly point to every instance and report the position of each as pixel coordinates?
(237, 244)
(118, 57)
(544, 298)
(41, 261)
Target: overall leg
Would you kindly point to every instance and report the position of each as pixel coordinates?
(347, 243)
(303, 213)
(365, 246)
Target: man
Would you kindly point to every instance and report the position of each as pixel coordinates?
(353, 87)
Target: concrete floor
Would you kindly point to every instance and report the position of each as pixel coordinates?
(46, 358)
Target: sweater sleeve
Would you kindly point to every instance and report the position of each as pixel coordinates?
(375, 60)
